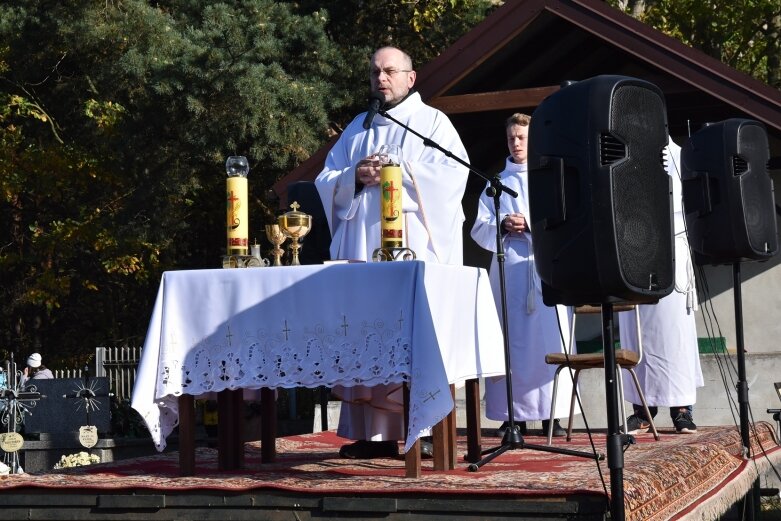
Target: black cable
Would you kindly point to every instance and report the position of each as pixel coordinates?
(580, 403)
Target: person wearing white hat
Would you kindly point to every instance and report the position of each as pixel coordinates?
(35, 369)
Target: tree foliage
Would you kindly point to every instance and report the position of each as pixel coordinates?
(115, 121)
(423, 28)
(744, 35)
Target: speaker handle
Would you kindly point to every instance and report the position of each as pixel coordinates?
(555, 169)
(698, 190)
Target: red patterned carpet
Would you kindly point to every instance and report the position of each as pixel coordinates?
(681, 476)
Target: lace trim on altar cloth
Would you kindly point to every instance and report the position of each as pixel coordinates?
(287, 355)
(261, 358)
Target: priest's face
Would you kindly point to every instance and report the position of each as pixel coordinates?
(518, 142)
(391, 74)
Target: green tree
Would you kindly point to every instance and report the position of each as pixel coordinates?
(744, 35)
(115, 123)
(422, 28)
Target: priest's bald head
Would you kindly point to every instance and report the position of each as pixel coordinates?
(391, 74)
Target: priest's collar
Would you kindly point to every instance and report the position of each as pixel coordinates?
(388, 106)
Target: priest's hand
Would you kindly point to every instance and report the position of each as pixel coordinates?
(367, 171)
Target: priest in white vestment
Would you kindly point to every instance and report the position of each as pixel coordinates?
(433, 186)
(669, 372)
(533, 326)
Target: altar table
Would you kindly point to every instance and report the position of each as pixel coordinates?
(429, 325)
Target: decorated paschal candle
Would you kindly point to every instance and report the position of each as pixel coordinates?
(237, 205)
(391, 218)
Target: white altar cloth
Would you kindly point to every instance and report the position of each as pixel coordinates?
(305, 326)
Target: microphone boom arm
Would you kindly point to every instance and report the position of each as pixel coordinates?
(496, 184)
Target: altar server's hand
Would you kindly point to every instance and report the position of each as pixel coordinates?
(515, 223)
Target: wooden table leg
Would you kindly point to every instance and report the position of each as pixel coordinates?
(230, 429)
(444, 438)
(268, 425)
(412, 457)
(451, 432)
(412, 461)
(439, 434)
(187, 435)
(474, 440)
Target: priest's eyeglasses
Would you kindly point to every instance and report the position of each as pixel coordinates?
(390, 72)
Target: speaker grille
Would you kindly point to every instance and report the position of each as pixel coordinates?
(756, 189)
(641, 198)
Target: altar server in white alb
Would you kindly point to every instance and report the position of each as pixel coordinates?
(533, 326)
(433, 185)
(669, 372)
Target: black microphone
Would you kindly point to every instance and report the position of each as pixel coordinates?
(376, 101)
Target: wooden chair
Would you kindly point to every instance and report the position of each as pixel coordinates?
(625, 359)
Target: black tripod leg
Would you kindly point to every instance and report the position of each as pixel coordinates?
(615, 453)
(492, 453)
(751, 500)
(512, 439)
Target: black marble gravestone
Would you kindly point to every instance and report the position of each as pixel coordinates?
(64, 408)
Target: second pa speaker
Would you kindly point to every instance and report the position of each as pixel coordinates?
(599, 194)
(728, 193)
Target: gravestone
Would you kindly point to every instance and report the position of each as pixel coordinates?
(69, 404)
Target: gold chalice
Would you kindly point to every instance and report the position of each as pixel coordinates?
(276, 237)
(296, 225)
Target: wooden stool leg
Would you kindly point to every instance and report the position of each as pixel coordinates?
(474, 442)
(572, 403)
(645, 404)
(553, 405)
(187, 435)
(621, 399)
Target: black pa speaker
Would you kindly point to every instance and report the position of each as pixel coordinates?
(728, 193)
(600, 197)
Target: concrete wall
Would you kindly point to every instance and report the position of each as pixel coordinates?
(761, 305)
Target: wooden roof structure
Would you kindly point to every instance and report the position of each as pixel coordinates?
(525, 49)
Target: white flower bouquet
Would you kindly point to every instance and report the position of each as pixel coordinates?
(77, 460)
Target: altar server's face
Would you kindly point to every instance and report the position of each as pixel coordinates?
(518, 142)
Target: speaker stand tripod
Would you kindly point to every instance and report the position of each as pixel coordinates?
(512, 439)
(615, 441)
(750, 501)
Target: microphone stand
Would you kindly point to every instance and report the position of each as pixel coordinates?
(512, 438)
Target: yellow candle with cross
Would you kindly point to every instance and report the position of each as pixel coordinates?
(237, 204)
(391, 219)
